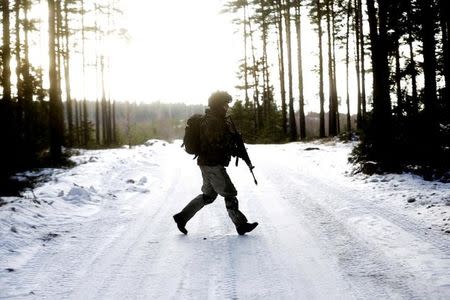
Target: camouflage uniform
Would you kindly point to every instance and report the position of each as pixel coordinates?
(216, 150)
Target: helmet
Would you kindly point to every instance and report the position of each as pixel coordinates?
(219, 98)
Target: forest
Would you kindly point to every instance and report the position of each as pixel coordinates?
(401, 47)
(394, 53)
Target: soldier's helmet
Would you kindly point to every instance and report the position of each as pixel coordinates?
(218, 99)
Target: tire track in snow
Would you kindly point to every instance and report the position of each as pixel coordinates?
(143, 245)
(363, 261)
(418, 251)
(83, 266)
(286, 251)
(360, 204)
(127, 255)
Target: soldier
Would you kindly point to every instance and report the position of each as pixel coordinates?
(217, 146)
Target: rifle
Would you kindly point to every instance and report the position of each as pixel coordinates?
(241, 150)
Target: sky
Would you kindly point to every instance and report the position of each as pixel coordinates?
(175, 51)
(181, 50)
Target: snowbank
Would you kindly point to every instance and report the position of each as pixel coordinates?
(101, 180)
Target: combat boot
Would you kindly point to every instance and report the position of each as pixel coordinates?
(180, 223)
(247, 227)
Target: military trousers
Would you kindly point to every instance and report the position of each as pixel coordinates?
(215, 182)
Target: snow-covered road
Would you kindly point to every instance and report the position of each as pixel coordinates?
(322, 235)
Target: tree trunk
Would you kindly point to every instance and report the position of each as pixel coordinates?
(6, 54)
(114, 128)
(266, 78)
(128, 124)
(59, 52)
(18, 62)
(55, 113)
(103, 103)
(429, 57)
(19, 115)
(302, 122)
(381, 99)
(359, 115)
(292, 122)
(77, 123)
(8, 123)
(398, 87)
(382, 59)
(414, 107)
(86, 134)
(444, 21)
(245, 55)
(362, 56)
(335, 96)
(395, 14)
(281, 67)
(97, 104)
(83, 56)
(107, 68)
(321, 95)
(80, 122)
(264, 63)
(67, 75)
(258, 112)
(27, 80)
(429, 70)
(97, 122)
(332, 110)
(347, 35)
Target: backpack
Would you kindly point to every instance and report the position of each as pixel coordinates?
(191, 140)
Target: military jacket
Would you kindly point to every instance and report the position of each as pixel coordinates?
(217, 142)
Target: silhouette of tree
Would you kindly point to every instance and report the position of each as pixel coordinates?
(301, 100)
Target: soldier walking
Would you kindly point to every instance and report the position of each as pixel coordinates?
(217, 145)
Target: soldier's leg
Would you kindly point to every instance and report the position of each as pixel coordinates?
(194, 206)
(222, 184)
(208, 196)
(234, 213)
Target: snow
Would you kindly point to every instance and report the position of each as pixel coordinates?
(104, 230)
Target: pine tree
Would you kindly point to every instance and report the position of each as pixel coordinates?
(356, 23)
(280, 44)
(6, 53)
(19, 84)
(292, 122)
(332, 115)
(66, 63)
(362, 57)
(27, 83)
(444, 19)
(55, 113)
(298, 27)
(381, 99)
(321, 95)
(347, 38)
(429, 69)
(86, 135)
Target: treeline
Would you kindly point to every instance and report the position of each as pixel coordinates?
(243, 115)
(403, 118)
(38, 113)
(138, 122)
